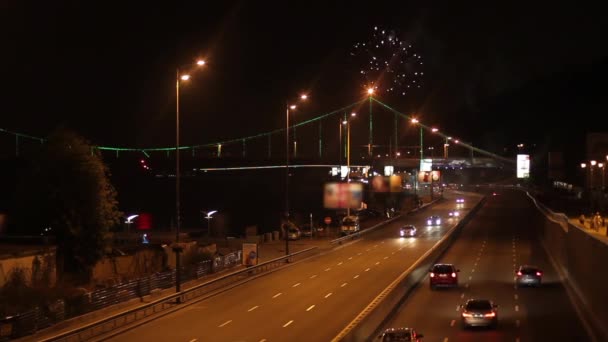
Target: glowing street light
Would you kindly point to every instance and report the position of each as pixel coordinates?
(370, 91)
(434, 130)
(176, 248)
(129, 221)
(208, 216)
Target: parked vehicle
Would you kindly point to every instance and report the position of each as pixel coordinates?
(350, 224)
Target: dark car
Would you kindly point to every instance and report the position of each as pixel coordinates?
(528, 275)
(400, 334)
(433, 220)
(443, 275)
(407, 231)
(479, 313)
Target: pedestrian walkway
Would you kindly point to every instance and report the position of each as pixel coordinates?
(601, 232)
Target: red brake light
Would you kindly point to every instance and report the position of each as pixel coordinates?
(491, 314)
(518, 273)
(453, 275)
(432, 274)
(538, 274)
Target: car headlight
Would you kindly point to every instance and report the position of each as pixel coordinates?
(438, 221)
(401, 233)
(428, 222)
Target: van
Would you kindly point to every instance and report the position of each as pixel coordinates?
(350, 224)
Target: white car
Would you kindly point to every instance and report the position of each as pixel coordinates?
(407, 231)
(454, 213)
(460, 200)
(433, 220)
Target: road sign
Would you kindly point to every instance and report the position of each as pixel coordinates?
(327, 220)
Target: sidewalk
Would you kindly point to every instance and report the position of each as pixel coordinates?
(600, 234)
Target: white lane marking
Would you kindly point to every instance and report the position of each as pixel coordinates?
(327, 269)
(263, 340)
(452, 322)
(253, 308)
(193, 340)
(475, 264)
(340, 263)
(375, 246)
(296, 285)
(393, 253)
(470, 277)
(445, 339)
(355, 277)
(462, 295)
(359, 253)
(343, 285)
(351, 258)
(310, 308)
(457, 307)
(378, 263)
(516, 297)
(401, 248)
(327, 295)
(313, 276)
(367, 269)
(225, 323)
(287, 324)
(473, 271)
(517, 323)
(278, 294)
(466, 285)
(516, 307)
(367, 250)
(385, 258)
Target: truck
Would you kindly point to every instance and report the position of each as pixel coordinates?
(350, 224)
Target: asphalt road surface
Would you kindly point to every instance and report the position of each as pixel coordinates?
(488, 251)
(312, 300)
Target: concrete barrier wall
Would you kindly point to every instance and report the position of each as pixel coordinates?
(582, 261)
(366, 325)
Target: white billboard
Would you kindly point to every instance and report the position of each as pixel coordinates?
(523, 166)
(426, 164)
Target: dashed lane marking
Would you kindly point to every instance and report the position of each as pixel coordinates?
(263, 340)
(516, 297)
(287, 324)
(340, 263)
(359, 253)
(466, 285)
(313, 276)
(445, 339)
(276, 295)
(350, 258)
(473, 271)
(193, 340)
(296, 285)
(378, 263)
(327, 269)
(452, 322)
(327, 295)
(516, 307)
(367, 269)
(224, 324)
(310, 308)
(385, 258)
(355, 277)
(470, 277)
(253, 308)
(517, 323)
(462, 295)
(343, 284)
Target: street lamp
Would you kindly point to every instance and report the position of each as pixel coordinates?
(129, 221)
(601, 166)
(347, 123)
(592, 183)
(208, 217)
(178, 77)
(289, 107)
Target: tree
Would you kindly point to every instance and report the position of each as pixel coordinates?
(68, 194)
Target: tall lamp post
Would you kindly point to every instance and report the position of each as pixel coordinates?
(129, 221)
(601, 166)
(347, 123)
(208, 217)
(592, 181)
(179, 77)
(289, 107)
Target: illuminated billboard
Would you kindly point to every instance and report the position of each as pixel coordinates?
(426, 164)
(342, 195)
(523, 166)
(427, 176)
(387, 184)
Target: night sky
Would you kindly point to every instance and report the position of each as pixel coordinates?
(107, 69)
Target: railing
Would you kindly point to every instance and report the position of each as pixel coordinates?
(111, 324)
(29, 322)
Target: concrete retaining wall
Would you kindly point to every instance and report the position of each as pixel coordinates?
(581, 260)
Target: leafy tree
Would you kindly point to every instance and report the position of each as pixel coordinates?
(67, 193)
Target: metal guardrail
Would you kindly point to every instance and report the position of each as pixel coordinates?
(110, 324)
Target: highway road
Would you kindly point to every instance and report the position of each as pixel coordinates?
(491, 246)
(310, 300)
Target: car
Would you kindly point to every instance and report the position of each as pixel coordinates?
(350, 224)
(460, 200)
(400, 334)
(528, 275)
(294, 233)
(443, 275)
(454, 213)
(479, 313)
(407, 231)
(433, 220)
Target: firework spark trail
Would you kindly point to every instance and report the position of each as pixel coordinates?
(388, 62)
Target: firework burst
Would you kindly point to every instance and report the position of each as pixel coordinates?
(388, 63)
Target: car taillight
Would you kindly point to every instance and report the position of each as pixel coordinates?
(466, 314)
(432, 274)
(491, 314)
(453, 275)
(519, 273)
(538, 274)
